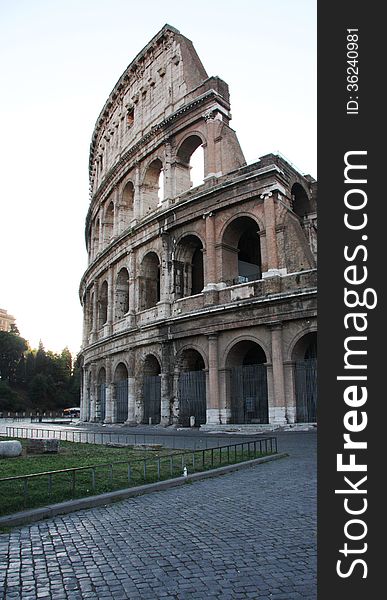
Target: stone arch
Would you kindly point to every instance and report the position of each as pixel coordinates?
(304, 355)
(151, 389)
(153, 182)
(246, 382)
(188, 266)
(149, 280)
(301, 204)
(108, 227)
(192, 397)
(126, 206)
(241, 250)
(103, 304)
(190, 346)
(296, 345)
(186, 154)
(122, 293)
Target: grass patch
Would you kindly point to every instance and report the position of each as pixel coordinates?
(101, 469)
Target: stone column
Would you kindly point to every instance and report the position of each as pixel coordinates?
(165, 411)
(86, 318)
(110, 307)
(131, 390)
(211, 277)
(290, 391)
(94, 327)
(175, 396)
(165, 386)
(271, 241)
(168, 178)
(132, 288)
(137, 196)
(101, 232)
(277, 409)
(213, 166)
(83, 390)
(164, 272)
(109, 393)
(93, 392)
(213, 416)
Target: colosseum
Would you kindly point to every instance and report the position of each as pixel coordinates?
(199, 300)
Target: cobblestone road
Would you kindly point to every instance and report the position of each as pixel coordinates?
(249, 534)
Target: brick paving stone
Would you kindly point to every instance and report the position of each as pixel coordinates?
(247, 534)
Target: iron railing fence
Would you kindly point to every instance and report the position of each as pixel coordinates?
(172, 441)
(37, 489)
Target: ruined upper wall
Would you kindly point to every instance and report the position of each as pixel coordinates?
(158, 82)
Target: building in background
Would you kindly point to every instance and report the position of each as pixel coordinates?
(199, 302)
(6, 320)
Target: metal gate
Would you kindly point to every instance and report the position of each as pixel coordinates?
(152, 399)
(101, 402)
(192, 397)
(122, 400)
(306, 390)
(249, 403)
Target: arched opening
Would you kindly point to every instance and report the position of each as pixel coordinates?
(150, 281)
(121, 389)
(125, 212)
(192, 388)
(300, 201)
(103, 305)
(241, 251)
(100, 409)
(305, 378)
(247, 396)
(197, 167)
(188, 267)
(109, 223)
(153, 187)
(122, 293)
(189, 170)
(152, 390)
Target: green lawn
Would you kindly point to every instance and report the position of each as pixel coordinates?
(105, 469)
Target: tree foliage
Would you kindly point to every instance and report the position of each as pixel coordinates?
(12, 348)
(36, 378)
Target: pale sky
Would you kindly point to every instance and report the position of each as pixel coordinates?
(60, 59)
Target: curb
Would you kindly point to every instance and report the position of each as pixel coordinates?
(62, 508)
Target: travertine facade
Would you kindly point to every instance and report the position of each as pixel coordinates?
(199, 303)
(6, 320)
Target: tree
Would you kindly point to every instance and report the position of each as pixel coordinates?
(12, 348)
(9, 400)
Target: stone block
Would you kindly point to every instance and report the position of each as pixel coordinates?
(10, 449)
(41, 446)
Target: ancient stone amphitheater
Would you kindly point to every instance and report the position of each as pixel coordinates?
(199, 300)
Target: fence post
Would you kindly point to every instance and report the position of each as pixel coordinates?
(25, 491)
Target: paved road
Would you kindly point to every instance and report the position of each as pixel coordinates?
(249, 534)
